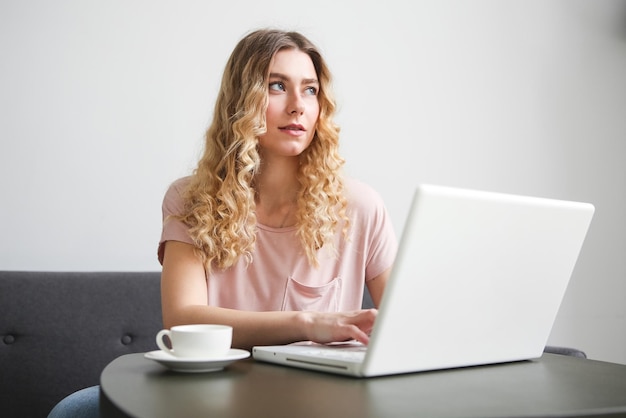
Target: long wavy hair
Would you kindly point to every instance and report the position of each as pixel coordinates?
(219, 202)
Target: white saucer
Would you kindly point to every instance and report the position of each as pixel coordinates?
(196, 365)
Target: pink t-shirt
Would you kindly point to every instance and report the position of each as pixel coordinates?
(280, 276)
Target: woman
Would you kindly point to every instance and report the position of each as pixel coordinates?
(266, 230)
(266, 235)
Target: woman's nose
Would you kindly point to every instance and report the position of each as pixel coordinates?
(296, 105)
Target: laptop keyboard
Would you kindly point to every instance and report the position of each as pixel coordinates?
(355, 354)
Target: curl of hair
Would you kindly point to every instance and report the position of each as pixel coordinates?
(219, 202)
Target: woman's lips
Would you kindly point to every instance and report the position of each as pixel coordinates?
(293, 129)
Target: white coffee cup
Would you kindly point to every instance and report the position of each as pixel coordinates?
(198, 340)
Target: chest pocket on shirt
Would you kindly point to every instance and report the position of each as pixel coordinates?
(300, 297)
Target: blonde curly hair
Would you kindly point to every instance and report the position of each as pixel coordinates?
(219, 202)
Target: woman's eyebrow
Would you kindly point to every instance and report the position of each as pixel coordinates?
(286, 78)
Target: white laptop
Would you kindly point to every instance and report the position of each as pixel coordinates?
(478, 279)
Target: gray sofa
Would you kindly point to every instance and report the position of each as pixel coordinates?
(59, 330)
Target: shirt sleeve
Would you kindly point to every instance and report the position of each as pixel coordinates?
(375, 231)
(173, 229)
(383, 244)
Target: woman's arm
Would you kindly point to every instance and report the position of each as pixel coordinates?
(184, 301)
(376, 286)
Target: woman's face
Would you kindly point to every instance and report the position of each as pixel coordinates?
(293, 107)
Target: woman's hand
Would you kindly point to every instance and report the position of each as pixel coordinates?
(327, 327)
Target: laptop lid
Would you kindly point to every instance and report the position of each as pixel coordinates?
(478, 279)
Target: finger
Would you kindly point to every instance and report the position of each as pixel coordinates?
(358, 335)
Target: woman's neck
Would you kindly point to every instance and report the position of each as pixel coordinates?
(277, 187)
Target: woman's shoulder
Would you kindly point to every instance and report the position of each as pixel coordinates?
(173, 199)
(180, 183)
(176, 188)
(361, 196)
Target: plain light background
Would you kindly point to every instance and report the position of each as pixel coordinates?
(104, 103)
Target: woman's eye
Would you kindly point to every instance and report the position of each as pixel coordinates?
(312, 91)
(277, 86)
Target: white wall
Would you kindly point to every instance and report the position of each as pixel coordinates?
(104, 103)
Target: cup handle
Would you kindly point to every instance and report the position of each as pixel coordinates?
(161, 344)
